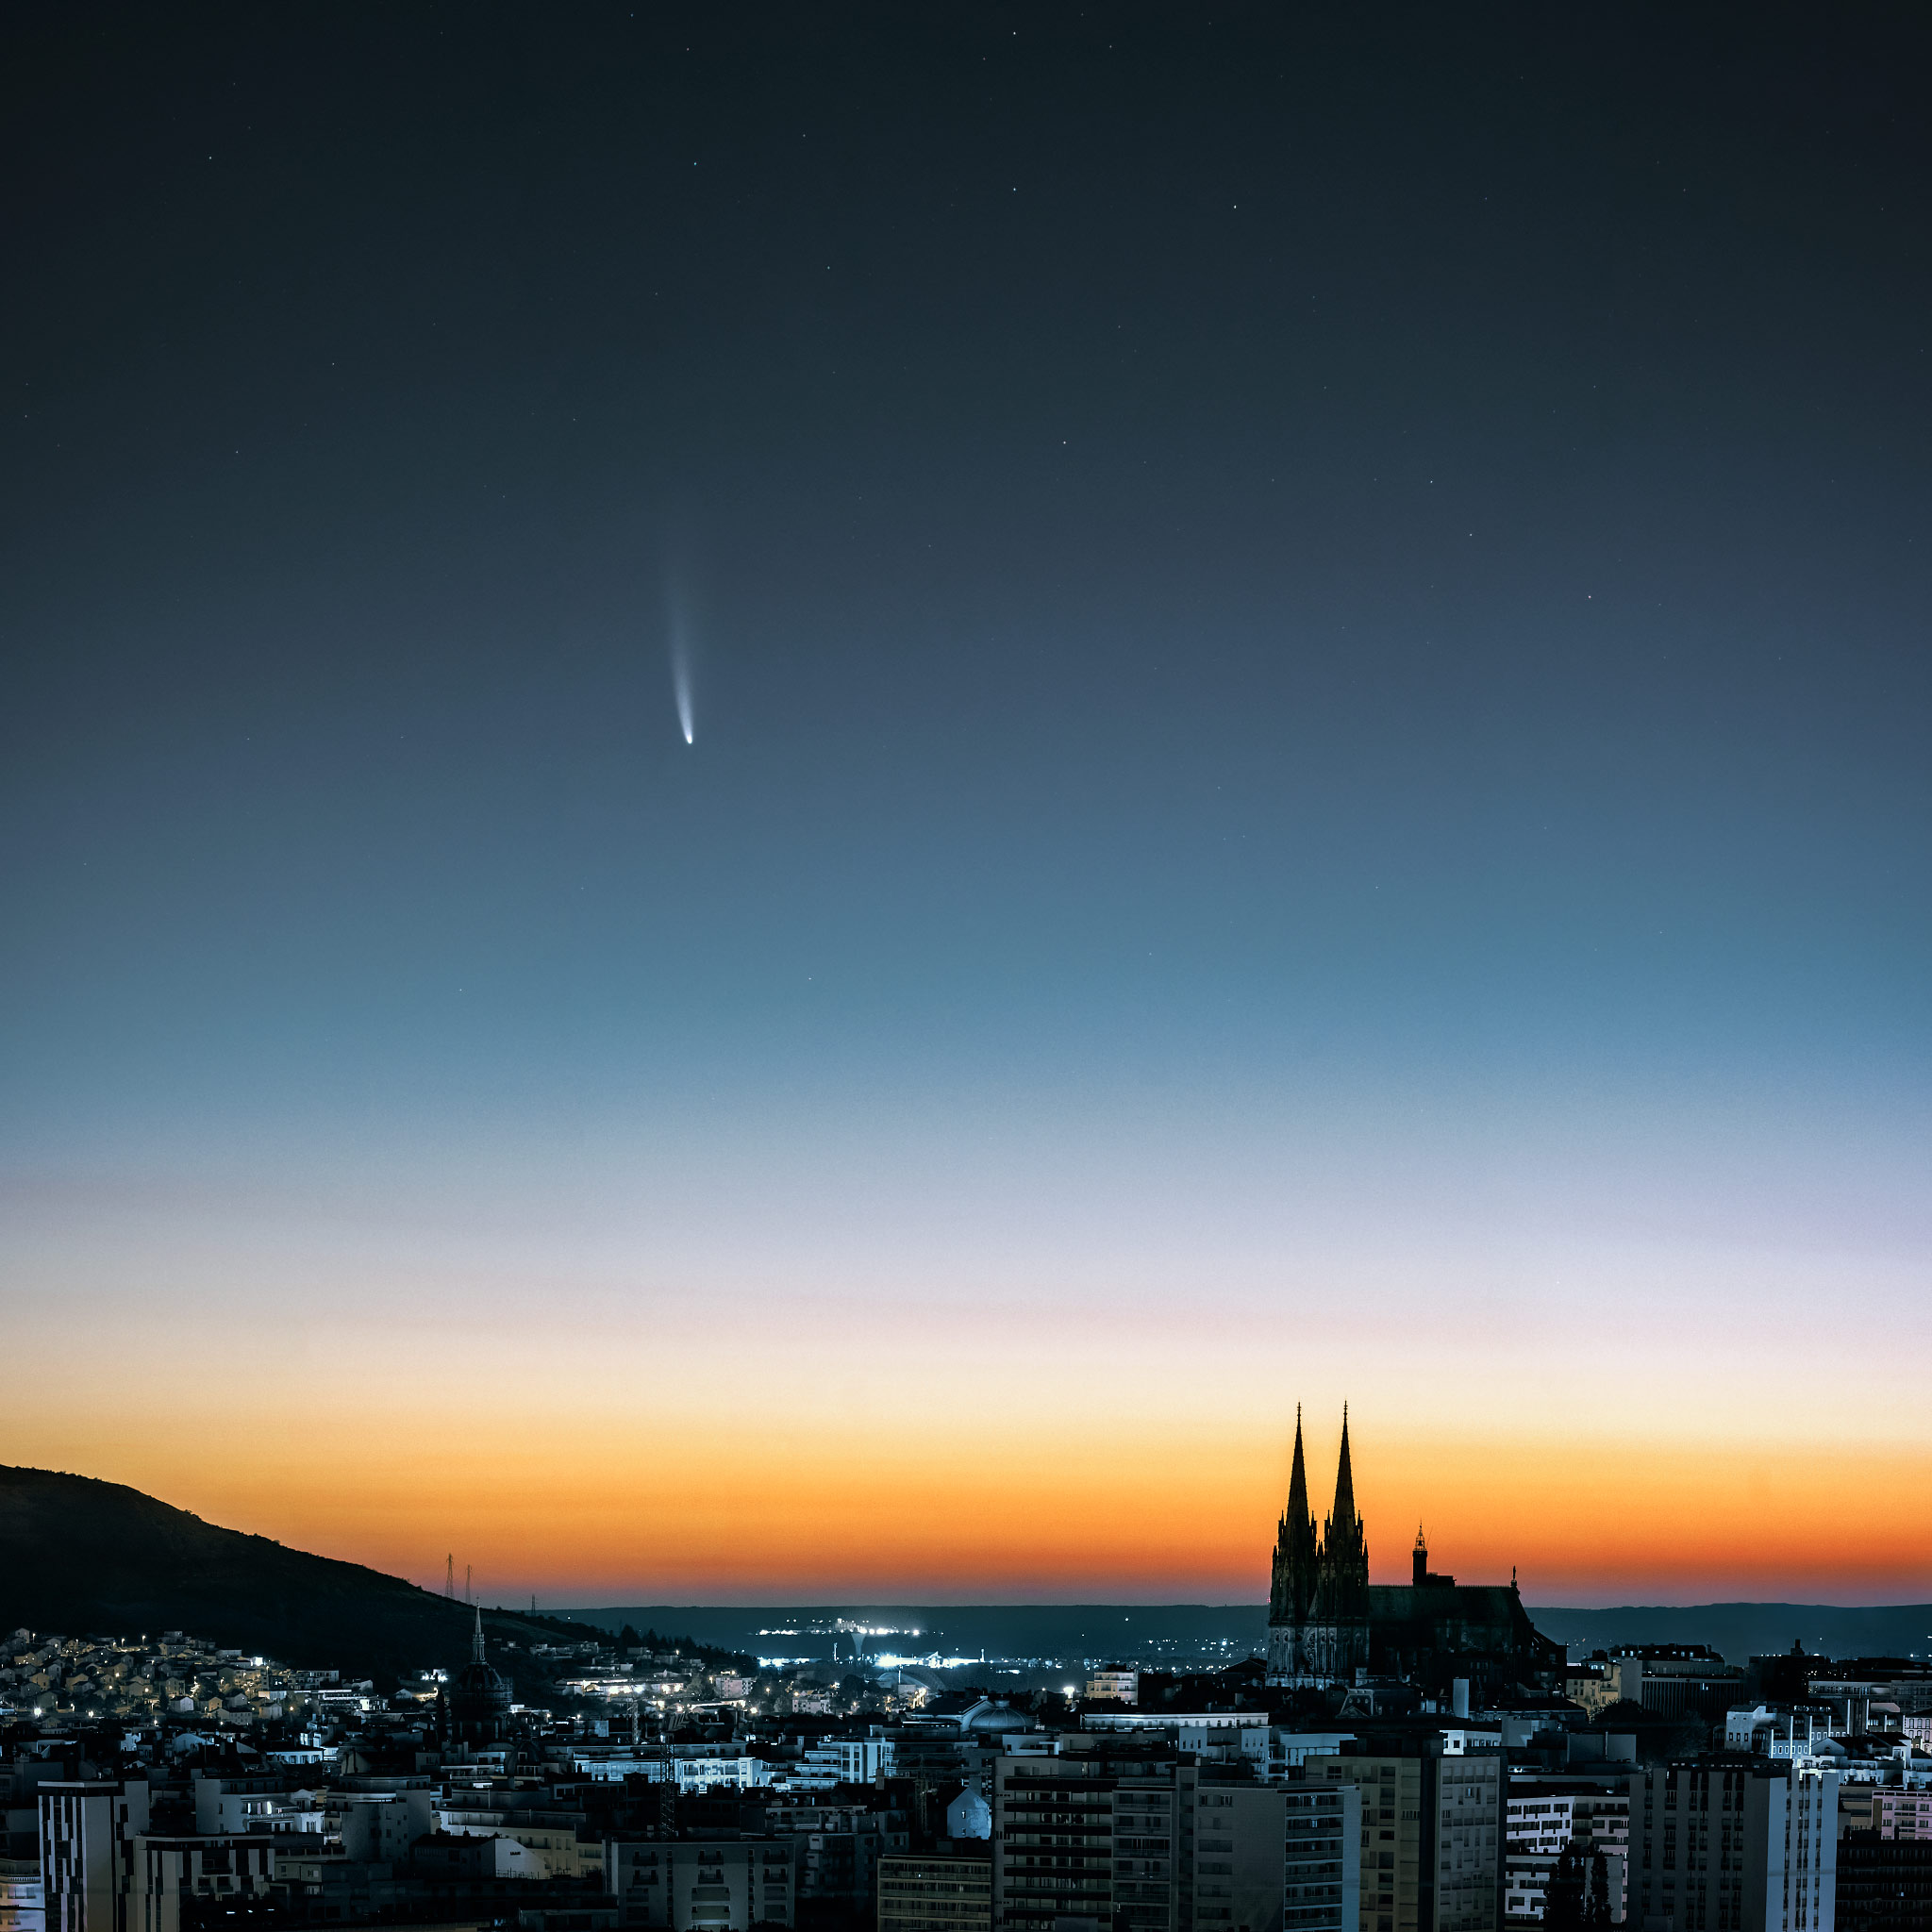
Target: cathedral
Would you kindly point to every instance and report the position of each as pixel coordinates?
(1326, 1624)
(1318, 1598)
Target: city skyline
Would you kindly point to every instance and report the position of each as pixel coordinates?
(786, 810)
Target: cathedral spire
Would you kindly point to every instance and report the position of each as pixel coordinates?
(477, 1644)
(1344, 1480)
(1291, 1587)
(1298, 1476)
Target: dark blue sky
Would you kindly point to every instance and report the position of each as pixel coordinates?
(1309, 653)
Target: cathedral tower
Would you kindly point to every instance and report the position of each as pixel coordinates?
(1339, 1632)
(1291, 1587)
(1318, 1597)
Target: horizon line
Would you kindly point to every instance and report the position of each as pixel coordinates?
(1198, 1603)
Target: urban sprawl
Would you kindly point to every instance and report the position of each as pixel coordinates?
(1402, 1758)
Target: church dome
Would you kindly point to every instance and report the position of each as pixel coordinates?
(476, 1682)
(479, 1698)
(987, 1719)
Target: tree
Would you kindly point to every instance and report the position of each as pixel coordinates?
(1596, 1910)
(1563, 1903)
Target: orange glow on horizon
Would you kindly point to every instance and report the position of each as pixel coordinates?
(784, 1449)
(1138, 1516)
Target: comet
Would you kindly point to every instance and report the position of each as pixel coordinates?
(680, 676)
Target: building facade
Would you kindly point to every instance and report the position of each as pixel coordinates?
(1884, 1883)
(1054, 1829)
(1431, 1837)
(703, 1885)
(1118, 1682)
(88, 1835)
(1090, 1843)
(924, 1892)
(1733, 1845)
(1240, 1835)
(1897, 1813)
(1672, 1679)
(1322, 1828)
(1543, 1816)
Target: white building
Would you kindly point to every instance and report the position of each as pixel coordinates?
(1226, 1725)
(1792, 1734)
(969, 1816)
(719, 1772)
(253, 1804)
(1901, 1814)
(1276, 1754)
(1542, 1816)
(87, 1833)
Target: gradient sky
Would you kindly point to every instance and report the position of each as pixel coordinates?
(1311, 779)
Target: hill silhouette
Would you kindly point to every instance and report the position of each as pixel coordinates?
(80, 1557)
(1742, 1630)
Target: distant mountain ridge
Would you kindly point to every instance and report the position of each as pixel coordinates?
(1742, 1630)
(79, 1555)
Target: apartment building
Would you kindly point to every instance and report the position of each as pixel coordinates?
(1543, 1816)
(1733, 1845)
(924, 1892)
(1430, 1836)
